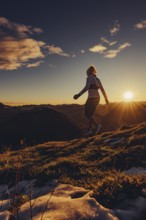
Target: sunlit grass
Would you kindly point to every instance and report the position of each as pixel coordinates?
(89, 163)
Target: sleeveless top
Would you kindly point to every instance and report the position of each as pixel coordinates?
(94, 86)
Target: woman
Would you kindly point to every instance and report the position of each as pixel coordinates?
(93, 84)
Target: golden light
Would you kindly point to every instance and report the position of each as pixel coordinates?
(128, 96)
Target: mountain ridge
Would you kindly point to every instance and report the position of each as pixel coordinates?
(37, 126)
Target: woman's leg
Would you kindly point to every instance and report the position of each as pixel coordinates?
(90, 108)
(92, 122)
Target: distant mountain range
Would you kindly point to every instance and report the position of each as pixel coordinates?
(32, 124)
(112, 118)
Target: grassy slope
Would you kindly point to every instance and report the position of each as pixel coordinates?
(95, 163)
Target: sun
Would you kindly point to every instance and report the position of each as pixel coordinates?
(128, 96)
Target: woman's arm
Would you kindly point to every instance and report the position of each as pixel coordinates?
(103, 92)
(87, 86)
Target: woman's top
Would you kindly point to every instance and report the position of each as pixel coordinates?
(92, 86)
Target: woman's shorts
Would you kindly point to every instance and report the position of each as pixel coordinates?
(90, 106)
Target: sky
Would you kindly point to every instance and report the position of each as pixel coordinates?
(46, 47)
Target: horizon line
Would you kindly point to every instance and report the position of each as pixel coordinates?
(54, 104)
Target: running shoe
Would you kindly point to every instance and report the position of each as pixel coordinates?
(88, 133)
(98, 129)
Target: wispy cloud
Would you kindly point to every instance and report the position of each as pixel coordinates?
(107, 47)
(51, 65)
(123, 46)
(18, 46)
(112, 43)
(82, 51)
(4, 21)
(141, 25)
(56, 50)
(37, 30)
(36, 64)
(115, 28)
(20, 30)
(114, 53)
(15, 53)
(111, 53)
(99, 48)
(105, 41)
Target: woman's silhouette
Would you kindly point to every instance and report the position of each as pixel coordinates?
(93, 84)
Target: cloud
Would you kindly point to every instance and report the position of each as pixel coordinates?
(112, 43)
(52, 65)
(4, 21)
(115, 28)
(99, 48)
(105, 46)
(15, 53)
(36, 64)
(18, 47)
(82, 51)
(56, 50)
(111, 53)
(123, 46)
(141, 25)
(37, 30)
(20, 30)
(114, 53)
(104, 40)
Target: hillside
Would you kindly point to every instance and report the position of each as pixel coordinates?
(112, 165)
(35, 126)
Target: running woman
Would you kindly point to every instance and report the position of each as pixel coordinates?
(93, 84)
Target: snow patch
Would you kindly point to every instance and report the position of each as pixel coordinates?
(113, 141)
(58, 202)
(136, 171)
(55, 201)
(134, 209)
(116, 141)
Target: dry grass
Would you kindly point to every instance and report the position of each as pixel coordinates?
(95, 163)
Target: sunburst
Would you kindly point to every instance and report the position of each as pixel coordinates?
(128, 96)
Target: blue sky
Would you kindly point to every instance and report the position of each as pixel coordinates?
(46, 47)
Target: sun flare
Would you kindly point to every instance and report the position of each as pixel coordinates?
(128, 96)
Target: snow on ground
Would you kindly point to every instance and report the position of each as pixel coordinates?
(113, 141)
(56, 202)
(136, 171)
(133, 209)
